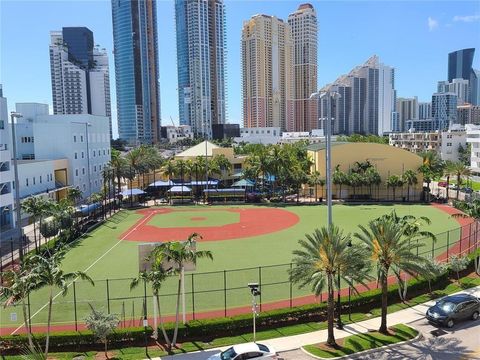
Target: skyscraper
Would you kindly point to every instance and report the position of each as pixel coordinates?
(79, 73)
(201, 57)
(267, 76)
(460, 87)
(444, 110)
(303, 24)
(460, 64)
(369, 105)
(136, 70)
(424, 110)
(408, 110)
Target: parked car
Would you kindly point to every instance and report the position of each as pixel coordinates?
(467, 190)
(453, 187)
(247, 351)
(442, 184)
(451, 309)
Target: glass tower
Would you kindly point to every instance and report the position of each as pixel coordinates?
(136, 70)
(201, 56)
(460, 64)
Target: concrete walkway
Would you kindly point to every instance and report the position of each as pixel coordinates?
(400, 317)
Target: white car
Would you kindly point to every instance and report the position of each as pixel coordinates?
(246, 351)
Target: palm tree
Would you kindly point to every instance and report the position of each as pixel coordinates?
(118, 164)
(409, 178)
(74, 195)
(47, 272)
(179, 254)
(431, 168)
(323, 254)
(34, 206)
(315, 179)
(391, 241)
(169, 169)
(221, 162)
(372, 177)
(17, 283)
(394, 181)
(339, 178)
(156, 276)
(355, 180)
(459, 170)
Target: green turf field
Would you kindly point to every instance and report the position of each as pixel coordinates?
(194, 219)
(103, 256)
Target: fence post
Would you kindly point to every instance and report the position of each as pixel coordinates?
(260, 285)
(291, 287)
(75, 305)
(11, 250)
(461, 240)
(29, 313)
(193, 297)
(108, 298)
(448, 243)
(225, 291)
(433, 250)
(469, 238)
(145, 296)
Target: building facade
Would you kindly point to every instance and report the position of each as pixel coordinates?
(367, 100)
(407, 109)
(444, 110)
(473, 138)
(304, 28)
(468, 114)
(173, 133)
(201, 59)
(7, 218)
(460, 67)
(79, 73)
(424, 110)
(267, 76)
(460, 87)
(136, 70)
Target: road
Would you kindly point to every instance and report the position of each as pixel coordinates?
(462, 342)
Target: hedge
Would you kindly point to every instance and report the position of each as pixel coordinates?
(210, 328)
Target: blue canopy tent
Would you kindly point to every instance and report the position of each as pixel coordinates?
(132, 192)
(180, 194)
(225, 195)
(244, 183)
(85, 210)
(161, 183)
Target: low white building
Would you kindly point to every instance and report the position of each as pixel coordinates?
(176, 133)
(82, 139)
(259, 135)
(473, 138)
(450, 142)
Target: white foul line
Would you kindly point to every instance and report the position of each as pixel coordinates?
(88, 268)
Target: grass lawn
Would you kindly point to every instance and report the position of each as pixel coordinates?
(102, 255)
(361, 342)
(193, 219)
(134, 353)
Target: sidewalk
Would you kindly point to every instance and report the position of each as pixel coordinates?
(400, 317)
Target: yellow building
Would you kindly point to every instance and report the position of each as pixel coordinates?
(388, 160)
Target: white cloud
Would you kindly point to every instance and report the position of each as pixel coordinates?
(432, 24)
(468, 18)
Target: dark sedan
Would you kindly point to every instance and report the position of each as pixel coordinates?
(454, 308)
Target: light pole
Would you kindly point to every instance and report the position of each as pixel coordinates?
(254, 290)
(18, 222)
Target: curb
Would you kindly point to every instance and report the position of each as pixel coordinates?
(366, 352)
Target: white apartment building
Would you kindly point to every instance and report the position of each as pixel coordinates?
(473, 138)
(259, 135)
(7, 217)
(445, 143)
(83, 140)
(176, 133)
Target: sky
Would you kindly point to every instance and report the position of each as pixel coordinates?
(414, 37)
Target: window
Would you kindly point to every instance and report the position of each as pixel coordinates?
(94, 168)
(74, 138)
(34, 180)
(76, 156)
(81, 138)
(26, 182)
(83, 171)
(76, 172)
(83, 154)
(40, 179)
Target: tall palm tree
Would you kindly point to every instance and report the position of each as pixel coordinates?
(339, 178)
(432, 167)
(315, 180)
(179, 254)
(394, 181)
(156, 276)
(372, 177)
(223, 164)
(459, 170)
(409, 178)
(355, 180)
(17, 283)
(169, 169)
(321, 256)
(47, 272)
(74, 195)
(119, 166)
(35, 207)
(392, 243)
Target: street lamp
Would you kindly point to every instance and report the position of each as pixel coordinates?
(254, 289)
(18, 222)
(328, 140)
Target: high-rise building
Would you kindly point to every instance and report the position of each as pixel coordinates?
(201, 58)
(79, 74)
(424, 110)
(460, 64)
(460, 67)
(444, 110)
(408, 110)
(468, 114)
(267, 76)
(303, 24)
(136, 70)
(369, 106)
(460, 87)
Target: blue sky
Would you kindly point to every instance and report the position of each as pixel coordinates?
(412, 36)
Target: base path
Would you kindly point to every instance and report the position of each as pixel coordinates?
(253, 222)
